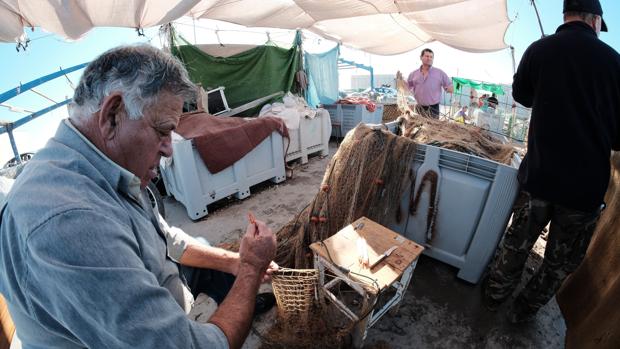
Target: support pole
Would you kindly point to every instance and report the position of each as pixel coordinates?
(538, 17)
(9, 130)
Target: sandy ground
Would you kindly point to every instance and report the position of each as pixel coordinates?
(439, 310)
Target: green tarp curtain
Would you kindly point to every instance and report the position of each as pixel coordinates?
(246, 76)
(478, 85)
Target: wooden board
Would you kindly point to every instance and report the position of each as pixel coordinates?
(341, 249)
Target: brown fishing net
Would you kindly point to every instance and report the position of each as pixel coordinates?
(467, 139)
(390, 113)
(366, 177)
(323, 328)
(451, 135)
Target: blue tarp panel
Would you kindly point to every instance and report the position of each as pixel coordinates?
(322, 72)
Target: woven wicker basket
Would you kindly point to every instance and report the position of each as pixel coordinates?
(295, 290)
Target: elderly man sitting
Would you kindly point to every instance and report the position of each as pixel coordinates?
(85, 262)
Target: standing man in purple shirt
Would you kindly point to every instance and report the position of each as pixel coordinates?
(426, 83)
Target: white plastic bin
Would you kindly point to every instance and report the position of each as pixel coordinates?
(187, 178)
(489, 121)
(344, 117)
(311, 137)
(472, 206)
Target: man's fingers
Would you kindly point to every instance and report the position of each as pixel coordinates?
(271, 269)
(263, 229)
(261, 226)
(250, 229)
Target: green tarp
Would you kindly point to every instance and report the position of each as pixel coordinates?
(246, 76)
(478, 85)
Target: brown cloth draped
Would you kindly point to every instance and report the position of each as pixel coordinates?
(221, 141)
(590, 297)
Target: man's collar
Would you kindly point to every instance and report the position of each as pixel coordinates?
(127, 183)
(429, 68)
(576, 25)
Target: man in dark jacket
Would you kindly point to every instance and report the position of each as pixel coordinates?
(571, 80)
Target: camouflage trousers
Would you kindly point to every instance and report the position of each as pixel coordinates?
(569, 236)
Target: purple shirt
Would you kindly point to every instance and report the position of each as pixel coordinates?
(427, 90)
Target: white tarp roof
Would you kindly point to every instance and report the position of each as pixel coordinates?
(380, 26)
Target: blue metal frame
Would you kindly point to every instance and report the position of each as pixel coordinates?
(361, 66)
(8, 127)
(34, 83)
(5, 96)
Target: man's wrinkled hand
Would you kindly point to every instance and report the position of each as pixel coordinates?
(258, 247)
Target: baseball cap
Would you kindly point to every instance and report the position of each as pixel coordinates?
(588, 6)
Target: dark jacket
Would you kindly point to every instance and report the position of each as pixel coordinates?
(571, 80)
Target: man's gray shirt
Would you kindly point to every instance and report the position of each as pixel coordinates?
(84, 262)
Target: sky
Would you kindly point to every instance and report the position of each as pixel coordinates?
(46, 53)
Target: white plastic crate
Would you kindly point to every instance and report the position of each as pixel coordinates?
(344, 117)
(472, 206)
(187, 178)
(489, 121)
(311, 137)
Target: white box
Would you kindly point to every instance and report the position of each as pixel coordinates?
(489, 121)
(187, 178)
(312, 136)
(344, 117)
(473, 204)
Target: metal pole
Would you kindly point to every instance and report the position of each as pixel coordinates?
(5, 96)
(9, 130)
(372, 78)
(194, 23)
(514, 64)
(538, 17)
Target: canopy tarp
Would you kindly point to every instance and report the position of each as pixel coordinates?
(478, 85)
(246, 76)
(322, 71)
(381, 26)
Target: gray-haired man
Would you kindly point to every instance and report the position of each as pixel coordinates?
(84, 260)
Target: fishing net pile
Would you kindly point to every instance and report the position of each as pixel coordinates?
(467, 139)
(366, 177)
(322, 328)
(390, 113)
(451, 135)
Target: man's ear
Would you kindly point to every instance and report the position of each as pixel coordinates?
(110, 115)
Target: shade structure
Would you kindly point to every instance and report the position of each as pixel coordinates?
(382, 27)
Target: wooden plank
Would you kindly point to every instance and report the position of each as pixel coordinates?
(341, 249)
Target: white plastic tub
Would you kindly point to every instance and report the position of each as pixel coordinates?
(311, 137)
(489, 121)
(472, 206)
(187, 178)
(344, 117)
